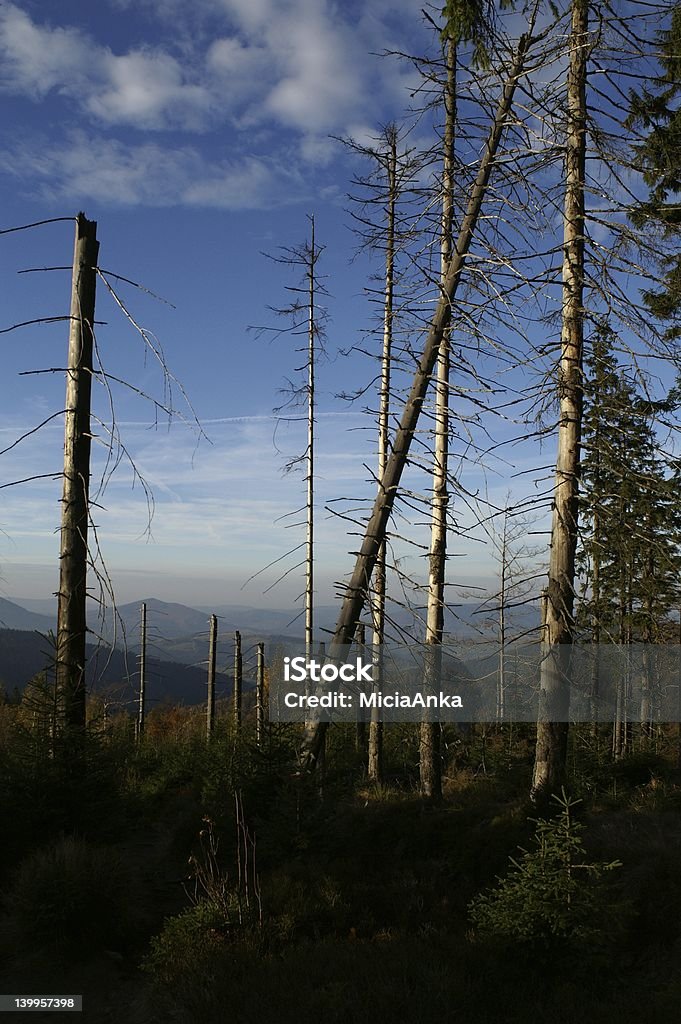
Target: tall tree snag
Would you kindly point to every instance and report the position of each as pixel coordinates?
(430, 768)
(260, 695)
(143, 673)
(558, 601)
(73, 553)
(212, 664)
(375, 758)
(358, 586)
(238, 672)
(309, 534)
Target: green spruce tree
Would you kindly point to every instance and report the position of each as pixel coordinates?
(656, 111)
(629, 557)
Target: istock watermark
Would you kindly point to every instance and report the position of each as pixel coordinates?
(300, 670)
(471, 682)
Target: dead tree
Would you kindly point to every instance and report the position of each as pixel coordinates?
(79, 543)
(307, 318)
(558, 601)
(238, 680)
(358, 586)
(507, 533)
(309, 533)
(212, 660)
(260, 695)
(143, 673)
(73, 553)
(430, 768)
(393, 170)
(375, 760)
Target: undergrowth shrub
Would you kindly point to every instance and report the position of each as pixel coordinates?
(226, 905)
(187, 944)
(45, 792)
(71, 896)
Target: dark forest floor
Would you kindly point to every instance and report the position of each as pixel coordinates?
(365, 891)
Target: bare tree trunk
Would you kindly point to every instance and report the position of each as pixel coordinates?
(430, 767)
(648, 636)
(260, 695)
(358, 586)
(375, 761)
(309, 540)
(619, 725)
(143, 673)
(501, 693)
(238, 680)
(360, 730)
(558, 614)
(596, 580)
(212, 658)
(73, 556)
(309, 535)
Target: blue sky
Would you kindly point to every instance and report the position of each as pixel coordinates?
(198, 136)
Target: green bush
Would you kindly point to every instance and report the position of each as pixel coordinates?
(187, 943)
(71, 896)
(552, 892)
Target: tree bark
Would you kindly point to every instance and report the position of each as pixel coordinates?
(501, 686)
(73, 556)
(430, 766)
(238, 673)
(143, 673)
(558, 604)
(260, 695)
(375, 757)
(212, 659)
(309, 536)
(357, 588)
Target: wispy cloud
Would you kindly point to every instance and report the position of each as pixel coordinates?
(299, 63)
(110, 171)
(218, 509)
(301, 69)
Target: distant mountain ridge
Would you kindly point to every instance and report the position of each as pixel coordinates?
(169, 621)
(177, 647)
(14, 616)
(23, 656)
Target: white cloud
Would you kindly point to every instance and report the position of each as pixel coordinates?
(107, 170)
(245, 68)
(144, 87)
(237, 65)
(252, 15)
(148, 89)
(320, 69)
(36, 59)
(303, 64)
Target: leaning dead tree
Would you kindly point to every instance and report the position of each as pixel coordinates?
(382, 225)
(359, 584)
(73, 553)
